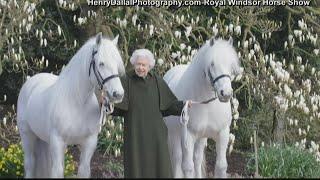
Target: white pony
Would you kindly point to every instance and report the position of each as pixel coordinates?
(55, 111)
(207, 79)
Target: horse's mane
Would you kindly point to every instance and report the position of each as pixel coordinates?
(220, 52)
(77, 70)
(84, 55)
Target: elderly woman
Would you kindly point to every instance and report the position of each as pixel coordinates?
(147, 99)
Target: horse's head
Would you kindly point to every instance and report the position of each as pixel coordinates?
(106, 67)
(222, 66)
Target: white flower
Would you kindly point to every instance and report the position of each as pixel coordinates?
(60, 2)
(236, 115)
(231, 138)
(177, 34)
(45, 42)
(160, 61)
(189, 49)
(299, 59)
(75, 43)
(290, 38)
(290, 122)
(262, 144)
(231, 28)
(291, 67)
(182, 46)
(238, 30)
(300, 132)
(188, 31)
(112, 124)
(81, 20)
(116, 153)
(316, 52)
(59, 30)
(285, 44)
(40, 34)
(287, 90)
(245, 44)
(235, 102)
(230, 148)
(215, 30)
(151, 30)
(176, 55)
(4, 121)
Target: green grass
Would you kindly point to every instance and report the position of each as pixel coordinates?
(286, 162)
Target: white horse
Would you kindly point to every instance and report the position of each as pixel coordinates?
(56, 111)
(207, 80)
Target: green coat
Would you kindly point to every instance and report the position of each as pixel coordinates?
(146, 101)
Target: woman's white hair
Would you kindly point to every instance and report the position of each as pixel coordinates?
(142, 53)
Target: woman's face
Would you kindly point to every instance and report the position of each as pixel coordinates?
(142, 67)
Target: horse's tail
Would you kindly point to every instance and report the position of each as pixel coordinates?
(42, 159)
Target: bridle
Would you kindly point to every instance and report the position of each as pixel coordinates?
(100, 79)
(107, 107)
(213, 81)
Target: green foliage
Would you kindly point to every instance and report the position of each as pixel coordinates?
(110, 139)
(286, 162)
(11, 162)
(174, 35)
(116, 168)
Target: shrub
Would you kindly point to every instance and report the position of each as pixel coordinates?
(11, 162)
(285, 162)
(110, 140)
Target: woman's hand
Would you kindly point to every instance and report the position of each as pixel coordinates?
(189, 103)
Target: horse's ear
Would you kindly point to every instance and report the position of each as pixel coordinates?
(230, 41)
(98, 38)
(212, 41)
(115, 40)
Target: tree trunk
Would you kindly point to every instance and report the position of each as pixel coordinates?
(278, 127)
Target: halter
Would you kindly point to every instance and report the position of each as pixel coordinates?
(213, 81)
(100, 79)
(106, 108)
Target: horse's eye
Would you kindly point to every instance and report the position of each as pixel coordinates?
(212, 64)
(101, 64)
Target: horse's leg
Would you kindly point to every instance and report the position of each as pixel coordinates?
(198, 156)
(174, 144)
(87, 149)
(221, 149)
(28, 139)
(187, 152)
(57, 146)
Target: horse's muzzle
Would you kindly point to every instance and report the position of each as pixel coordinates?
(115, 97)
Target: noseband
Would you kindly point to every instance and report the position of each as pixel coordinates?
(100, 79)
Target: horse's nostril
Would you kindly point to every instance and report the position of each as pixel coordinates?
(117, 95)
(221, 92)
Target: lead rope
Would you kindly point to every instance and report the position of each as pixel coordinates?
(106, 109)
(184, 119)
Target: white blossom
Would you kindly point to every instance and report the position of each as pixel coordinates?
(188, 31)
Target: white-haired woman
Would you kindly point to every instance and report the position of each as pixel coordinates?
(147, 99)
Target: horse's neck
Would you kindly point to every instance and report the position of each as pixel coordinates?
(194, 83)
(75, 83)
